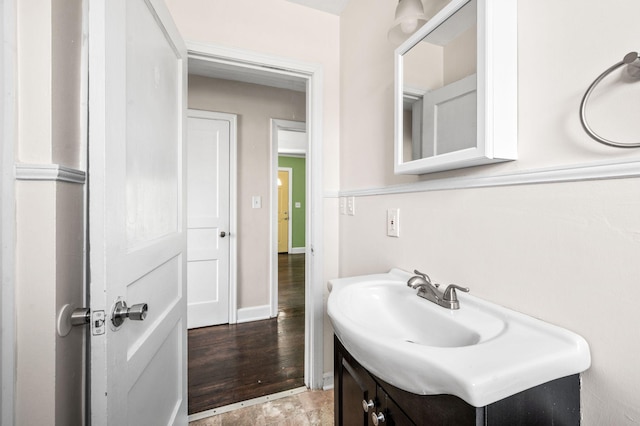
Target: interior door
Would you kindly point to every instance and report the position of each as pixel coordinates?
(137, 238)
(283, 211)
(208, 236)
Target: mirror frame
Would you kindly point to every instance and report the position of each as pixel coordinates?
(497, 89)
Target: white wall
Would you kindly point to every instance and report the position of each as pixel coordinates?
(255, 106)
(49, 214)
(565, 252)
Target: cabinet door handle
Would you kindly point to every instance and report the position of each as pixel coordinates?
(366, 405)
(377, 418)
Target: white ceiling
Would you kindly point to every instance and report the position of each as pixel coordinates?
(334, 7)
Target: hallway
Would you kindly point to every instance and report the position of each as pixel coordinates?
(237, 362)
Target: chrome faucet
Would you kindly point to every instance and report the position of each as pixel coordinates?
(428, 290)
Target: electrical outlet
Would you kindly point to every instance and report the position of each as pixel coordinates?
(393, 222)
(351, 206)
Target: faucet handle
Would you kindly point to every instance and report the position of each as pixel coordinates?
(420, 276)
(424, 276)
(450, 294)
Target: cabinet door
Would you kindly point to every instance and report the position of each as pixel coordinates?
(356, 386)
(353, 385)
(393, 415)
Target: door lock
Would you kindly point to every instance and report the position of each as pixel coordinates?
(121, 312)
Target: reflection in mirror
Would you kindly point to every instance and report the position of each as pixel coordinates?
(412, 124)
(439, 89)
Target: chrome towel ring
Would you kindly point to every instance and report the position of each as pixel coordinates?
(628, 59)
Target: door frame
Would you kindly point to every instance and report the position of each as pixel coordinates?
(233, 202)
(8, 86)
(289, 171)
(312, 74)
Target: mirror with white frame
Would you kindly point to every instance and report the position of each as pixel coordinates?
(456, 89)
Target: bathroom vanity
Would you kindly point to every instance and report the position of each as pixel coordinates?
(404, 359)
(363, 399)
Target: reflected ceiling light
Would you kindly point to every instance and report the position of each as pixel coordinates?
(409, 17)
(279, 182)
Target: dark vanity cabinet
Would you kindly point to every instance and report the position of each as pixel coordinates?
(359, 397)
(362, 398)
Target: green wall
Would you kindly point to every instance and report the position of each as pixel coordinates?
(298, 196)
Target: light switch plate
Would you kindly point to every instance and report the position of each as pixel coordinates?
(256, 202)
(343, 205)
(393, 222)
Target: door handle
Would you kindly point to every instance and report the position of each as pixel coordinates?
(70, 316)
(121, 312)
(80, 316)
(223, 234)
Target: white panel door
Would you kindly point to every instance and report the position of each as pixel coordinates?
(137, 107)
(208, 240)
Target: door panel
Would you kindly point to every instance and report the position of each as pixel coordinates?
(164, 406)
(200, 273)
(208, 206)
(137, 64)
(152, 172)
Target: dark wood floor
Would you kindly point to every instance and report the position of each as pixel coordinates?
(233, 363)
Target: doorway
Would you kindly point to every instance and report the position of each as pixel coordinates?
(290, 144)
(207, 59)
(285, 186)
(233, 363)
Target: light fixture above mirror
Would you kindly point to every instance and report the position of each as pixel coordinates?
(409, 18)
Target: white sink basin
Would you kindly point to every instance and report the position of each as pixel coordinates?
(481, 353)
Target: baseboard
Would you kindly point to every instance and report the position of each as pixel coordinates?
(254, 313)
(297, 250)
(327, 381)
